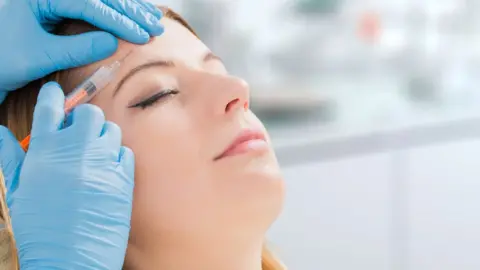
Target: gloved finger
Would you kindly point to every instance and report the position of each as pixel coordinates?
(112, 135)
(49, 113)
(102, 16)
(11, 159)
(138, 14)
(74, 51)
(151, 8)
(87, 122)
(126, 159)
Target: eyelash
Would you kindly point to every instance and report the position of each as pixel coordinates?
(154, 99)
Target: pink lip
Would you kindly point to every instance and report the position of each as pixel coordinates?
(248, 140)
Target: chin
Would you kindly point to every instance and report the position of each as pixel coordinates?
(258, 192)
(270, 204)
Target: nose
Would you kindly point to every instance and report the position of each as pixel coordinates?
(233, 94)
(216, 95)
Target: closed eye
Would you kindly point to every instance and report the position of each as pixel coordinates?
(154, 99)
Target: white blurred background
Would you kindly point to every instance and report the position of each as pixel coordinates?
(374, 110)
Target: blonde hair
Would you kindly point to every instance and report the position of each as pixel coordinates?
(8, 254)
(17, 114)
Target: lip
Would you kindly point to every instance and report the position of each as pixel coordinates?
(246, 141)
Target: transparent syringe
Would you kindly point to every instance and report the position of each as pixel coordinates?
(86, 91)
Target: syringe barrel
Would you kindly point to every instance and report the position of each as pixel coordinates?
(104, 75)
(91, 86)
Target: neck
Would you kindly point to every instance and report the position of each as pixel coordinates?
(206, 254)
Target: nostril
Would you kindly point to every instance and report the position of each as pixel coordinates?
(246, 106)
(230, 104)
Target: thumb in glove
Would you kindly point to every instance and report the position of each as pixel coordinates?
(83, 49)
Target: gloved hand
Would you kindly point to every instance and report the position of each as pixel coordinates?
(28, 52)
(72, 206)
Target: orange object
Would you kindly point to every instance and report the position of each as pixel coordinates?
(25, 142)
(71, 101)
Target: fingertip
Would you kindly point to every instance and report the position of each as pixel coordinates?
(51, 92)
(48, 113)
(140, 14)
(126, 158)
(51, 84)
(90, 110)
(112, 134)
(89, 119)
(139, 35)
(126, 153)
(127, 29)
(156, 11)
(132, 32)
(158, 29)
(111, 128)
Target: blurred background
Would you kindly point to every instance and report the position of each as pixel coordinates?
(373, 108)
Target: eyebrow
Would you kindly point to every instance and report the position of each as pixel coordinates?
(157, 63)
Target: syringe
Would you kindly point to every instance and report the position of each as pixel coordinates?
(86, 91)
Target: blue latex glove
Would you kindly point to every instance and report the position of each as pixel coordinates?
(28, 52)
(11, 159)
(72, 206)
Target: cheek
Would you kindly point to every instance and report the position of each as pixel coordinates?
(169, 171)
(163, 145)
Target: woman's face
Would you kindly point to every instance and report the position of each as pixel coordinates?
(180, 114)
